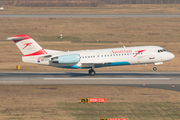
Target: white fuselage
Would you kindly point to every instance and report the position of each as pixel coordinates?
(106, 57)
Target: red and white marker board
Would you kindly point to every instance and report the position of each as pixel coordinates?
(93, 100)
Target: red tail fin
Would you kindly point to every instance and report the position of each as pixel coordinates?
(27, 45)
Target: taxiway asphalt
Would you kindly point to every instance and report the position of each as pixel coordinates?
(162, 80)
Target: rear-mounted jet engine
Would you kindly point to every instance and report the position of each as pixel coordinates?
(66, 59)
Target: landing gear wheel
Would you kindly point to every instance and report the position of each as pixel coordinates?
(92, 72)
(154, 68)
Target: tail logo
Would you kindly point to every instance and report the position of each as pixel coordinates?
(27, 44)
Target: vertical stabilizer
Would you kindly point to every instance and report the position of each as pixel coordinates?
(27, 45)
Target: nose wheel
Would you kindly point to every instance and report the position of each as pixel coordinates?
(154, 68)
(92, 72)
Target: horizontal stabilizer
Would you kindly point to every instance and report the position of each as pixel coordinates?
(16, 38)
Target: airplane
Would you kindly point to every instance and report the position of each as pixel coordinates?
(90, 59)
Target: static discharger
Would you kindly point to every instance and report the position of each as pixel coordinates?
(113, 118)
(93, 100)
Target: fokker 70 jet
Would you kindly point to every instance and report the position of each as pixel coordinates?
(90, 59)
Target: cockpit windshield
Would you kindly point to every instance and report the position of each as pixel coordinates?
(161, 50)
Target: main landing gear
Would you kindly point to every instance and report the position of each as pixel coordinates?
(92, 72)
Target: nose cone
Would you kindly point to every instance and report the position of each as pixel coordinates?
(167, 56)
(171, 56)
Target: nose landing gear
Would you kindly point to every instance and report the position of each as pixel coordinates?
(92, 72)
(154, 68)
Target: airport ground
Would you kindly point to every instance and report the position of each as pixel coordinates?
(62, 101)
(107, 9)
(39, 102)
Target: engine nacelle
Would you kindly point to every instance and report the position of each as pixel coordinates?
(67, 59)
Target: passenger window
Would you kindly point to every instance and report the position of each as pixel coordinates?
(116, 54)
(93, 56)
(127, 53)
(97, 55)
(104, 55)
(101, 55)
(88, 56)
(119, 54)
(85, 56)
(124, 53)
(108, 55)
(113, 54)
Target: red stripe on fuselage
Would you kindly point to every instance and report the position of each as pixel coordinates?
(140, 51)
(40, 52)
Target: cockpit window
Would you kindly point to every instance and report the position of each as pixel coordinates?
(161, 50)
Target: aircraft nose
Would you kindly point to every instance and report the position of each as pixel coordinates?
(167, 56)
(171, 56)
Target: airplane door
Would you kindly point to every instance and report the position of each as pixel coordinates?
(151, 55)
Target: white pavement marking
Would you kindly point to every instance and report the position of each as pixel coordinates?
(106, 78)
(12, 81)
